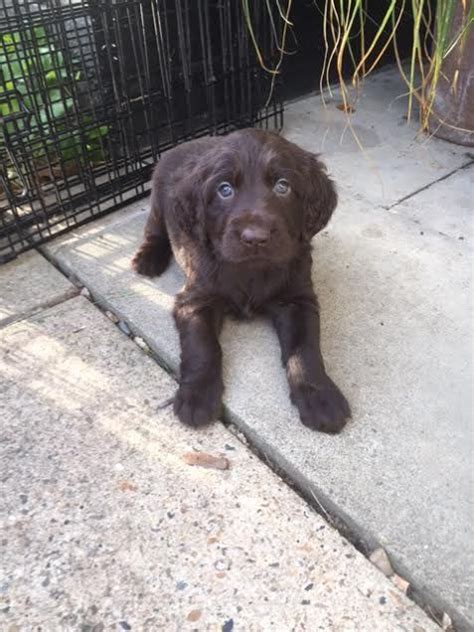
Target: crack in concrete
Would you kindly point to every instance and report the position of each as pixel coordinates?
(58, 300)
(389, 207)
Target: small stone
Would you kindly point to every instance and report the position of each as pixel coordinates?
(142, 344)
(85, 292)
(202, 459)
(222, 565)
(194, 615)
(228, 625)
(446, 622)
(165, 403)
(23, 499)
(383, 600)
(124, 625)
(347, 108)
(401, 583)
(228, 447)
(181, 585)
(240, 435)
(124, 328)
(127, 486)
(306, 602)
(380, 559)
(309, 587)
(111, 316)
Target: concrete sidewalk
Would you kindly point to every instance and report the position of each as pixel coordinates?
(394, 276)
(105, 526)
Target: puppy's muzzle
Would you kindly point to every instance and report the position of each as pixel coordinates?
(255, 236)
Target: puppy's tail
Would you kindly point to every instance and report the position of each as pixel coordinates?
(154, 254)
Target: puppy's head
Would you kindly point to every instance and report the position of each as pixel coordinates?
(257, 197)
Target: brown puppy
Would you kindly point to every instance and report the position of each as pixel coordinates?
(238, 212)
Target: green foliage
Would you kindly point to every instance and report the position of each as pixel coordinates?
(36, 101)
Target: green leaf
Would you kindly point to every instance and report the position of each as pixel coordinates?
(9, 106)
(69, 146)
(57, 109)
(46, 62)
(43, 115)
(14, 70)
(39, 32)
(4, 108)
(59, 58)
(51, 76)
(54, 94)
(97, 132)
(96, 155)
(10, 129)
(44, 50)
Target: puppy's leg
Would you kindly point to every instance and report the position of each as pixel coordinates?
(320, 403)
(199, 397)
(154, 254)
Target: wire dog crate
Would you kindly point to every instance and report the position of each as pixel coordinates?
(93, 91)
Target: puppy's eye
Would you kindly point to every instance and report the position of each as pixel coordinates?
(282, 187)
(225, 190)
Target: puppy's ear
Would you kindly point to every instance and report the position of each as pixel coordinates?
(189, 202)
(319, 196)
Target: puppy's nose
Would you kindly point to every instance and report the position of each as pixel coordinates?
(255, 236)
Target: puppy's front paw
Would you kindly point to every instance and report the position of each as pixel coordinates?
(152, 258)
(322, 407)
(199, 403)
